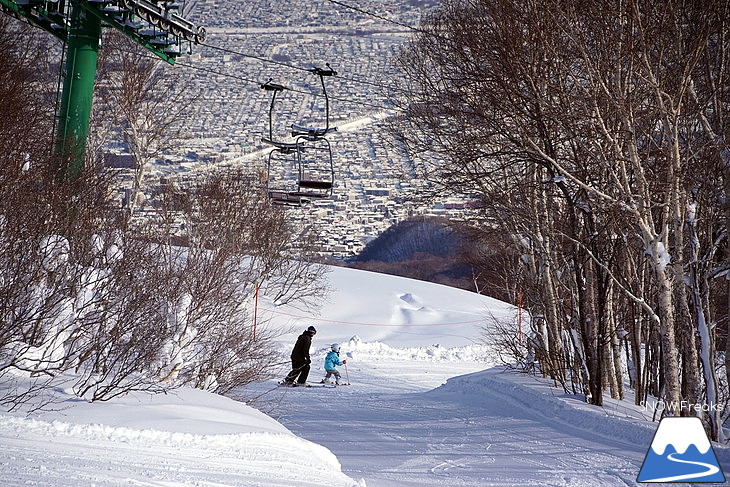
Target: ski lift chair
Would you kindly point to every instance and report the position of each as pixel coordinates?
(283, 155)
(316, 168)
(282, 188)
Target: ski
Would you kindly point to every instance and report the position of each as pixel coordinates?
(289, 384)
(319, 384)
(286, 384)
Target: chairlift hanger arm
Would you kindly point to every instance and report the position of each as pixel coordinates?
(284, 147)
(269, 86)
(275, 88)
(312, 133)
(324, 72)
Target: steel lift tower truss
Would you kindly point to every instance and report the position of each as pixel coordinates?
(155, 24)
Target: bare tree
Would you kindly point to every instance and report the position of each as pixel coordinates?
(585, 112)
(219, 240)
(114, 305)
(139, 103)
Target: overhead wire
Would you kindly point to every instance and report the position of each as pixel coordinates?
(252, 56)
(356, 323)
(252, 81)
(370, 14)
(386, 19)
(300, 68)
(293, 90)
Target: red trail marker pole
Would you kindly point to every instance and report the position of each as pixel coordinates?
(519, 317)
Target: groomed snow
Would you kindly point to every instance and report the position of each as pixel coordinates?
(394, 310)
(184, 438)
(421, 410)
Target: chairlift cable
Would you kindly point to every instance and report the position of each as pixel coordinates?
(386, 19)
(220, 73)
(258, 58)
(293, 90)
(249, 80)
(300, 68)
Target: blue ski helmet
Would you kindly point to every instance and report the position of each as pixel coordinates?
(312, 329)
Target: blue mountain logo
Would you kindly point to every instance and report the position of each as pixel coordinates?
(680, 452)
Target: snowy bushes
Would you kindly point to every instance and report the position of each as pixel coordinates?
(112, 303)
(120, 322)
(149, 306)
(65, 305)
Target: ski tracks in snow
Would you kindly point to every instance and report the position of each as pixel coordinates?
(445, 437)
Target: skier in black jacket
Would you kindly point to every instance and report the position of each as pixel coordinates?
(300, 358)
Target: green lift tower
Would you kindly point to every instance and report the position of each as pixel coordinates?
(155, 24)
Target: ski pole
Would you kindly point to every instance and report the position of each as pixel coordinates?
(347, 374)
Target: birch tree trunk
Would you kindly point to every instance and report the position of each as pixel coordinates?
(613, 343)
(599, 95)
(707, 348)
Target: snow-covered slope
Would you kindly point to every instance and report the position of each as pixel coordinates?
(184, 438)
(397, 311)
(421, 410)
(194, 438)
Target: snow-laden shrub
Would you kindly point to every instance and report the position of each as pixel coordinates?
(54, 250)
(146, 305)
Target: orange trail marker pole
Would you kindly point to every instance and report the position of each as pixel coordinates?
(519, 317)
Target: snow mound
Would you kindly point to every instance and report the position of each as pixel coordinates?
(219, 435)
(413, 302)
(356, 348)
(410, 299)
(618, 423)
(390, 309)
(241, 443)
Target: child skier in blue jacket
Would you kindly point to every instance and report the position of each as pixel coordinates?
(331, 361)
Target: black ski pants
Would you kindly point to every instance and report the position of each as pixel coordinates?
(299, 368)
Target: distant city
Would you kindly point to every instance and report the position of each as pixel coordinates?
(228, 117)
